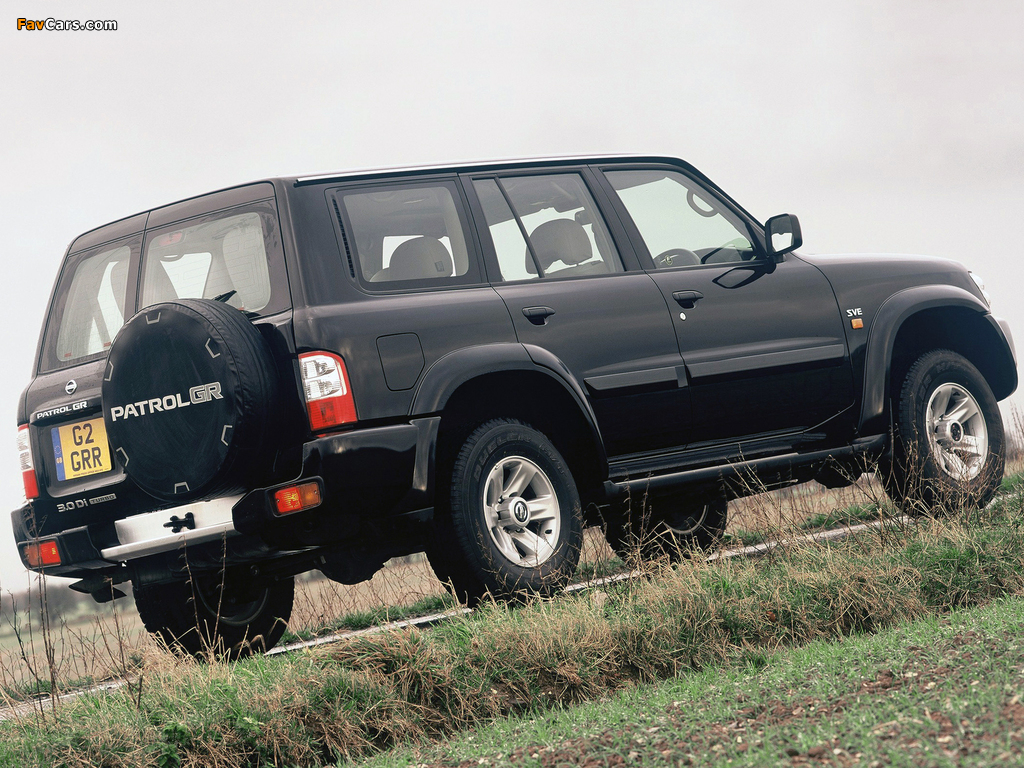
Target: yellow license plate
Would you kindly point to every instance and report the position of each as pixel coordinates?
(81, 449)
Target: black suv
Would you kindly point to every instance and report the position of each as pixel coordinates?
(477, 361)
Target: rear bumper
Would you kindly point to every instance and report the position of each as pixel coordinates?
(78, 551)
(375, 473)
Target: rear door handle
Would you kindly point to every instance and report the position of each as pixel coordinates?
(538, 315)
(687, 299)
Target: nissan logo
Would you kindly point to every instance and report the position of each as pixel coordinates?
(70, 387)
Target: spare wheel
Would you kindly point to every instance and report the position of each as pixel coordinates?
(187, 399)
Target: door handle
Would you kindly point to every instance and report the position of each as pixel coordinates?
(687, 299)
(538, 315)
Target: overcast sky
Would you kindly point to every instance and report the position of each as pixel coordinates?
(889, 126)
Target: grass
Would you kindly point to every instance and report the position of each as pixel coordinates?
(938, 691)
(855, 514)
(372, 617)
(383, 691)
(74, 650)
(91, 642)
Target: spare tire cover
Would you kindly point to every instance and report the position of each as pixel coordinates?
(187, 398)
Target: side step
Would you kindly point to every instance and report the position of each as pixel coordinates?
(863, 446)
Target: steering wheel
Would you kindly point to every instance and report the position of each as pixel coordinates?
(676, 257)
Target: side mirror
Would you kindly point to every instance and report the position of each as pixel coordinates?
(782, 234)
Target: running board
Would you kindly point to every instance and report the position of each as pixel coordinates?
(861, 447)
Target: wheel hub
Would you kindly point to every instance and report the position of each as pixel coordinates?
(513, 513)
(521, 511)
(958, 434)
(949, 432)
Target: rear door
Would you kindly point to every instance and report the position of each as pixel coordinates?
(225, 245)
(570, 290)
(93, 297)
(762, 341)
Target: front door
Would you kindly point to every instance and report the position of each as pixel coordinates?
(762, 341)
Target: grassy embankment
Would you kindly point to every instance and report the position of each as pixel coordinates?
(62, 640)
(939, 691)
(378, 692)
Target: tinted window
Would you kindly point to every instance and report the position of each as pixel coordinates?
(681, 224)
(221, 255)
(566, 235)
(407, 234)
(88, 308)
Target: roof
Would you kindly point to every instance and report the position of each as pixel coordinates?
(481, 164)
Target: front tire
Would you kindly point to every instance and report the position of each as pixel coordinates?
(210, 616)
(948, 450)
(509, 521)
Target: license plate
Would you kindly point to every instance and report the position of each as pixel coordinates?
(81, 449)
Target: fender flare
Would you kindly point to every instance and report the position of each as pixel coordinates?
(447, 374)
(881, 341)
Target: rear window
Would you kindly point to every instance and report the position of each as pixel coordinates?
(89, 306)
(222, 257)
(234, 255)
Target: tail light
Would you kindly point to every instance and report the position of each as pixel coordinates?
(42, 554)
(328, 394)
(28, 470)
(296, 498)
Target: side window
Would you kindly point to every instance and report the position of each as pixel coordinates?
(92, 296)
(680, 223)
(409, 235)
(221, 255)
(514, 258)
(564, 233)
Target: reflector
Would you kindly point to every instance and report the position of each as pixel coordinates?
(295, 498)
(42, 554)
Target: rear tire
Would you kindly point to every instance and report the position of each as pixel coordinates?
(197, 618)
(948, 450)
(670, 525)
(508, 522)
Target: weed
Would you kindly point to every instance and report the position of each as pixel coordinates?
(378, 691)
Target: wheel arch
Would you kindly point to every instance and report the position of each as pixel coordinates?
(916, 320)
(472, 385)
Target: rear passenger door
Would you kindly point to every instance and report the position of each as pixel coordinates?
(554, 261)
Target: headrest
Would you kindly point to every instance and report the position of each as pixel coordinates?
(558, 240)
(419, 259)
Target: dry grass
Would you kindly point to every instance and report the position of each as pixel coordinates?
(373, 693)
(101, 642)
(107, 641)
(348, 700)
(39, 653)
